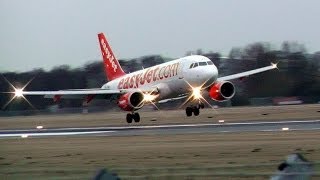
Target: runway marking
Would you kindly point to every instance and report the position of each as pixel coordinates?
(26, 135)
(270, 130)
(187, 125)
(314, 128)
(265, 134)
(280, 130)
(165, 126)
(110, 129)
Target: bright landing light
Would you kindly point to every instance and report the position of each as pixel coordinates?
(274, 65)
(18, 92)
(149, 97)
(196, 92)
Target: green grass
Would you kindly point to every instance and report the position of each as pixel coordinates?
(199, 156)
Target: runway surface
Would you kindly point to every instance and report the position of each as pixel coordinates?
(135, 129)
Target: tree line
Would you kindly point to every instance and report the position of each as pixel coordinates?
(298, 75)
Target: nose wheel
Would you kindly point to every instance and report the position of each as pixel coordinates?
(133, 117)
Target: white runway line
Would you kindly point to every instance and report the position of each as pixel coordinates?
(185, 125)
(53, 134)
(100, 130)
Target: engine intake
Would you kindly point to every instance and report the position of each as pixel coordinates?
(131, 101)
(221, 91)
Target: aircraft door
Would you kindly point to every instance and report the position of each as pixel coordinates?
(181, 70)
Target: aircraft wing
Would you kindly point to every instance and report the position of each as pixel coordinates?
(247, 73)
(76, 93)
(95, 93)
(72, 92)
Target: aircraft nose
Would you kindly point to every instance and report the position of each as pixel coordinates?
(203, 76)
(210, 75)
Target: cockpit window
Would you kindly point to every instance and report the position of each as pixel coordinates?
(209, 62)
(195, 65)
(202, 63)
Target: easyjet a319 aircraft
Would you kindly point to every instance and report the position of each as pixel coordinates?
(185, 77)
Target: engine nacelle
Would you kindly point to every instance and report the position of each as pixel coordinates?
(221, 91)
(131, 101)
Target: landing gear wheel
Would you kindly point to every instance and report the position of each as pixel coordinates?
(129, 118)
(196, 111)
(201, 106)
(136, 117)
(189, 111)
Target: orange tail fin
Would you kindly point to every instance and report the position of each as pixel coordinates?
(112, 67)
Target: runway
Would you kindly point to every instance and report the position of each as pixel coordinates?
(135, 129)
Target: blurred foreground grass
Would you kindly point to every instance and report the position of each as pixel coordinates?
(252, 155)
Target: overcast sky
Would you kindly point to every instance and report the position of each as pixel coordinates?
(44, 34)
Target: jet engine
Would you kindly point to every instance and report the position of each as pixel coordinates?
(131, 101)
(221, 91)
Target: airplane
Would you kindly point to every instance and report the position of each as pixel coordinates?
(187, 77)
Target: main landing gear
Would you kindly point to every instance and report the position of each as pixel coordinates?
(133, 116)
(194, 109)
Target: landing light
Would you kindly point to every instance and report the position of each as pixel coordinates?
(18, 92)
(274, 65)
(196, 92)
(149, 97)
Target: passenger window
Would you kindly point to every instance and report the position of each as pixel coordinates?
(195, 65)
(202, 63)
(191, 66)
(210, 62)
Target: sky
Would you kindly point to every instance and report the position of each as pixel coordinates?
(48, 33)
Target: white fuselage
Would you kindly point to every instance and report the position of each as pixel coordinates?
(170, 78)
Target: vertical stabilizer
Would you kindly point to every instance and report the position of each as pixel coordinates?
(112, 67)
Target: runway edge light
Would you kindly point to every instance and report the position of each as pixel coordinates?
(24, 135)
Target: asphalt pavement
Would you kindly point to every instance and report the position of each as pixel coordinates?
(136, 129)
